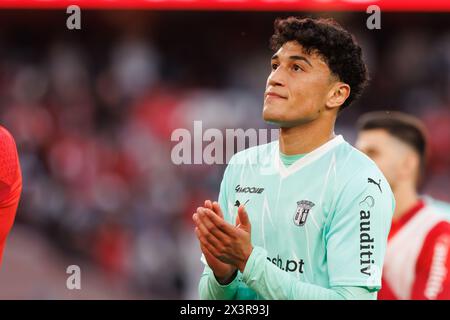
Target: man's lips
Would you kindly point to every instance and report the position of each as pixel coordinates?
(274, 95)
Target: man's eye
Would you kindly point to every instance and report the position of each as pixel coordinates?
(296, 67)
(274, 66)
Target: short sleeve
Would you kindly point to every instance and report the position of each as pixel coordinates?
(356, 232)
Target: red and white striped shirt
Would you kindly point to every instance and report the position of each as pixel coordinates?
(417, 261)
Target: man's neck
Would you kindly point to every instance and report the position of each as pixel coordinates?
(405, 198)
(305, 138)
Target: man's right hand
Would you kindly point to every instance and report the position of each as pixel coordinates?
(224, 273)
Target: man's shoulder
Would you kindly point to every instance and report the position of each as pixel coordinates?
(6, 139)
(438, 205)
(8, 157)
(357, 172)
(438, 233)
(428, 221)
(353, 163)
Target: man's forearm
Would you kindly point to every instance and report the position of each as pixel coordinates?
(270, 282)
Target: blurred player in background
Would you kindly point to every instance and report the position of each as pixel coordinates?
(417, 262)
(317, 211)
(10, 185)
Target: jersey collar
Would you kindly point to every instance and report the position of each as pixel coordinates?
(307, 159)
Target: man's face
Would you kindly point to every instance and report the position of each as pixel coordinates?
(386, 151)
(297, 87)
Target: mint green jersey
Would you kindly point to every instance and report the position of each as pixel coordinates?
(323, 220)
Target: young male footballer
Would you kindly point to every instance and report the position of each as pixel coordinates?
(417, 264)
(317, 211)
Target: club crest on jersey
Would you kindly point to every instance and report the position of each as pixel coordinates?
(302, 211)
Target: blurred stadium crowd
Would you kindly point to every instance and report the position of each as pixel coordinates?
(92, 112)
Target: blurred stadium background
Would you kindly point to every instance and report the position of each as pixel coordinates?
(92, 112)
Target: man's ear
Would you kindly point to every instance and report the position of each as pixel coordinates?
(337, 95)
(410, 165)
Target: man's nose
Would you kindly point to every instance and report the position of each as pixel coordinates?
(276, 78)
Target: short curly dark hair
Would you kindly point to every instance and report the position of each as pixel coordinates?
(332, 42)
